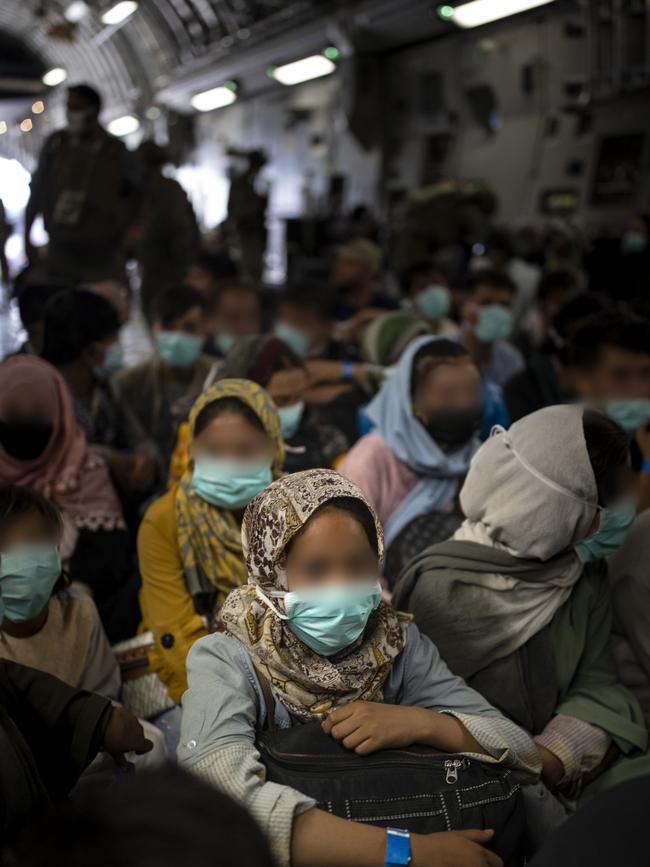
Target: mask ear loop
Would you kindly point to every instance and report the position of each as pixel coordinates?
(497, 429)
(264, 598)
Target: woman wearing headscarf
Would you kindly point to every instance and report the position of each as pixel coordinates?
(43, 447)
(426, 418)
(518, 600)
(311, 623)
(189, 544)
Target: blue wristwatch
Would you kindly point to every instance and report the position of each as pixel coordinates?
(398, 847)
(645, 466)
(347, 371)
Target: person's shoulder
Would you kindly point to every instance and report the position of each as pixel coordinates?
(134, 373)
(508, 350)
(219, 648)
(162, 511)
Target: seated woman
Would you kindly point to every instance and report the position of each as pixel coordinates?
(43, 447)
(48, 623)
(427, 417)
(518, 601)
(269, 361)
(189, 546)
(81, 339)
(370, 676)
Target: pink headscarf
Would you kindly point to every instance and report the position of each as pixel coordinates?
(68, 472)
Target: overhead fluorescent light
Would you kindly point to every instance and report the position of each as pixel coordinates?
(76, 11)
(124, 125)
(315, 66)
(54, 76)
(479, 12)
(209, 100)
(120, 12)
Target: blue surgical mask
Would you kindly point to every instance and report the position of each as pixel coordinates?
(177, 349)
(295, 338)
(615, 523)
(27, 577)
(634, 242)
(434, 302)
(494, 323)
(225, 342)
(229, 484)
(290, 418)
(630, 414)
(327, 619)
(113, 359)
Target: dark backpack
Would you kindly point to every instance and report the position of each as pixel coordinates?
(418, 789)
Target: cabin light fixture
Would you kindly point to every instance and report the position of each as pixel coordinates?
(119, 12)
(124, 125)
(217, 97)
(306, 69)
(479, 12)
(54, 76)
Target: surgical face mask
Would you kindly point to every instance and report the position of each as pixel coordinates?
(615, 523)
(327, 619)
(177, 349)
(113, 358)
(229, 484)
(454, 428)
(634, 242)
(27, 577)
(630, 414)
(434, 302)
(225, 342)
(25, 440)
(295, 338)
(494, 323)
(290, 418)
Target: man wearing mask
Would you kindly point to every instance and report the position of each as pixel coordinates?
(86, 188)
(161, 390)
(356, 270)
(488, 323)
(236, 312)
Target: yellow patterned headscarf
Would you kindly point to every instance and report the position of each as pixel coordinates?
(209, 538)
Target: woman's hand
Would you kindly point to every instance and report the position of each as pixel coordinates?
(124, 734)
(552, 768)
(453, 849)
(368, 726)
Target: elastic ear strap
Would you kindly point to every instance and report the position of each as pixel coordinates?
(262, 595)
(545, 479)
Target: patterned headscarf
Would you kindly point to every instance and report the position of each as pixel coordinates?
(209, 538)
(307, 683)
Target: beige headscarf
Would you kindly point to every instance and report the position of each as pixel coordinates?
(307, 684)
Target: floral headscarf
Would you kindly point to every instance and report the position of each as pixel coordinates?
(307, 683)
(209, 538)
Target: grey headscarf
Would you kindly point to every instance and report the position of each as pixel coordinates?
(529, 496)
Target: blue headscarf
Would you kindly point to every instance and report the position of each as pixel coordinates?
(392, 413)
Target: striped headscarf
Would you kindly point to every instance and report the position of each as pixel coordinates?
(209, 538)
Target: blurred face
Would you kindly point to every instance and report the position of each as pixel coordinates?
(332, 549)
(485, 295)
(310, 322)
(97, 351)
(348, 272)
(617, 375)
(452, 385)
(198, 278)
(287, 387)
(82, 115)
(232, 437)
(238, 313)
(424, 280)
(28, 529)
(191, 322)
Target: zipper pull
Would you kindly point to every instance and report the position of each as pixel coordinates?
(451, 767)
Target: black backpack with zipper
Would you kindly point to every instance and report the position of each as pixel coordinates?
(418, 788)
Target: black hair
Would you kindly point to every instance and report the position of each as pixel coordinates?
(500, 239)
(73, 319)
(314, 297)
(226, 406)
(491, 277)
(88, 94)
(556, 281)
(430, 355)
(218, 265)
(16, 501)
(33, 298)
(354, 507)
(174, 303)
(620, 330)
(417, 269)
(162, 818)
(608, 448)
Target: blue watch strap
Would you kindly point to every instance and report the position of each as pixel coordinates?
(347, 371)
(398, 847)
(645, 466)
